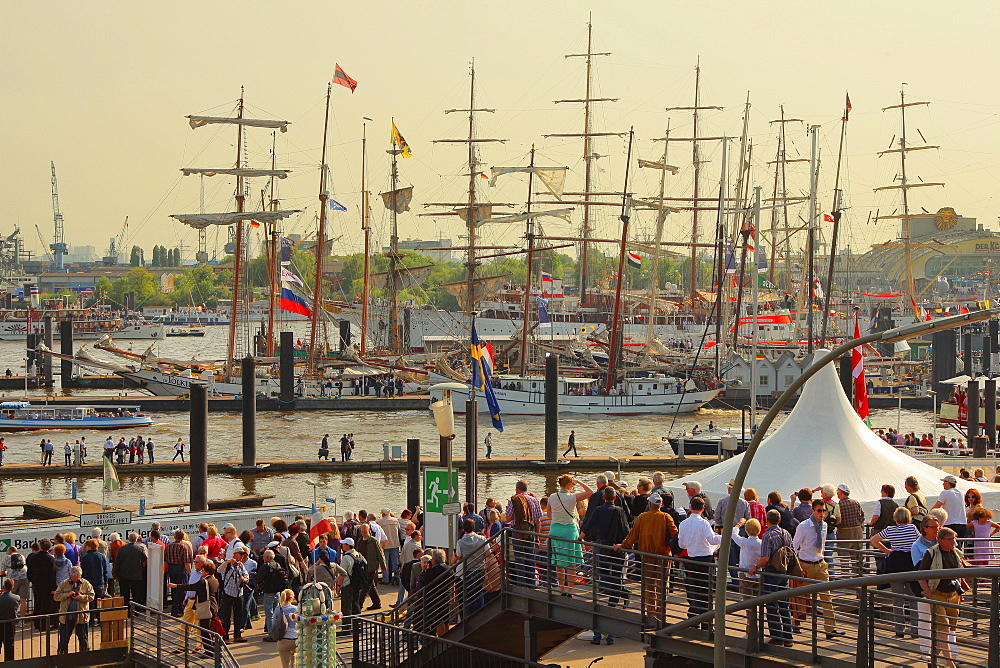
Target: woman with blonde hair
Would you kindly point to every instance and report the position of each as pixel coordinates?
(286, 644)
(564, 532)
(749, 556)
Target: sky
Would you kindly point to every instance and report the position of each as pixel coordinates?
(103, 89)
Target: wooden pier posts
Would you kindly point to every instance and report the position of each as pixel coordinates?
(198, 446)
(248, 379)
(551, 408)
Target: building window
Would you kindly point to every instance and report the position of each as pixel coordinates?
(789, 379)
(763, 380)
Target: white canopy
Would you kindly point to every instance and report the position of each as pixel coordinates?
(824, 441)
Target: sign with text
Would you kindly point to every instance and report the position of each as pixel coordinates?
(109, 518)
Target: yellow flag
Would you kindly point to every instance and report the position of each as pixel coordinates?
(397, 140)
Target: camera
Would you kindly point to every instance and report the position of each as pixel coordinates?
(959, 589)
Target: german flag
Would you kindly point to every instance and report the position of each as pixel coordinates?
(340, 77)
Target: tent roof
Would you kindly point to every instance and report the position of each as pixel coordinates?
(824, 441)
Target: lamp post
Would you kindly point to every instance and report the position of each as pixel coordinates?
(933, 395)
(314, 485)
(619, 462)
(889, 336)
(444, 419)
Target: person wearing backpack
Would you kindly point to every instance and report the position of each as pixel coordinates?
(355, 583)
(810, 543)
(273, 579)
(15, 568)
(772, 552)
(525, 512)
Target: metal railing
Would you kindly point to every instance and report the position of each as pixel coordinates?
(43, 636)
(163, 640)
(382, 645)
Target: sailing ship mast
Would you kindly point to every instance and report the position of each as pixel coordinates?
(835, 213)
(273, 261)
(366, 229)
(324, 196)
(781, 236)
(904, 186)
(394, 257)
(237, 344)
(614, 341)
(529, 235)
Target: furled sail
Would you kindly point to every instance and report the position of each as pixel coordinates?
(203, 220)
(565, 214)
(480, 213)
(654, 204)
(553, 178)
(484, 286)
(251, 173)
(657, 165)
(398, 200)
(199, 121)
(406, 277)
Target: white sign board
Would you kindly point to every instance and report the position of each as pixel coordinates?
(105, 519)
(154, 576)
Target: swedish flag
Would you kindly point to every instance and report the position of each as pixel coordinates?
(482, 376)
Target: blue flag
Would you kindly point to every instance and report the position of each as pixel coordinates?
(482, 377)
(543, 313)
(337, 206)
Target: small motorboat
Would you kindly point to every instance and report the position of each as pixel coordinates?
(185, 331)
(24, 416)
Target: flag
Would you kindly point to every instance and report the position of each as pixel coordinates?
(289, 277)
(827, 218)
(634, 260)
(293, 303)
(397, 140)
(847, 106)
(543, 313)
(962, 309)
(254, 223)
(319, 526)
(111, 483)
(340, 77)
(858, 372)
(286, 250)
(765, 284)
(817, 287)
(482, 372)
(337, 206)
(546, 277)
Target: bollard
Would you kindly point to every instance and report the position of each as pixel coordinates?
(412, 473)
(198, 447)
(979, 445)
(249, 411)
(551, 408)
(142, 506)
(73, 489)
(680, 447)
(972, 427)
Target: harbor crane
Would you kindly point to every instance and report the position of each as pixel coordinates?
(58, 246)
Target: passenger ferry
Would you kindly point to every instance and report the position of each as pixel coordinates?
(23, 416)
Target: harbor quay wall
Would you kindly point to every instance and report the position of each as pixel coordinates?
(95, 469)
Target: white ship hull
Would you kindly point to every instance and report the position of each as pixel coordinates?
(17, 330)
(531, 401)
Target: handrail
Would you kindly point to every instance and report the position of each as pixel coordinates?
(221, 654)
(828, 585)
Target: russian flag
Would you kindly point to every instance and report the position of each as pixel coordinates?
(546, 278)
(292, 302)
(634, 260)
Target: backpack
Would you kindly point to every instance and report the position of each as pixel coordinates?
(785, 561)
(349, 530)
(279, 625)
(16, 561)
(359, 574)
(522, 513)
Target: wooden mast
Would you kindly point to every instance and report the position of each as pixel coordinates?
(234, 315)
(273, 262)
(317, 300)
(614, 340)
(835, 212)
(661, 217)
(529, 234)
(393, 276)
(904, 186)
(366, 229)
(780, 195)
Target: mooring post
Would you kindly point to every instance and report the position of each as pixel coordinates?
(286, 368)
(198, 446)
(249, 405)
(551, 408)
(412, 473)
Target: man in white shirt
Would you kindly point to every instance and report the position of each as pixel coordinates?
(809, 542)
(696, 536)
(953, 503)
(232, 540)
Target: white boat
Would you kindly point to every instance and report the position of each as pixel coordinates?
(23, 416)
(525, 395)
(17, 329)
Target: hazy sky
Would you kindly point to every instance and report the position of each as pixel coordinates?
(102, 89)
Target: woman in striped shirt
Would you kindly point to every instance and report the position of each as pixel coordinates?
(901, 537)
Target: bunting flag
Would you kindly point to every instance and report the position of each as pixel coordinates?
(111, 482)
(398, 141)
(543, 313)
(293, 303)
(317, 527)
(858, 372)
(482, 376)
(337, 206)
(340, 77)
(289, 277)
(634, 260)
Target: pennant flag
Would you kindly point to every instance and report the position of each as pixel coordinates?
(111, 483)
(289, 277)
(634, 260)
(293, 303)
(962, 310)
(847, 106)
(765, 284)
(337, 206)
(858, 372)
(397, 140)
(318, 526)
(286, 250)
(482, 372)
(340, 77)
(543, 313)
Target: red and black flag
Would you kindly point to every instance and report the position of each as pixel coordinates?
(847, 106)
(340, 77)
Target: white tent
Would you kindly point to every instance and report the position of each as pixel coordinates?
(824, 441)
